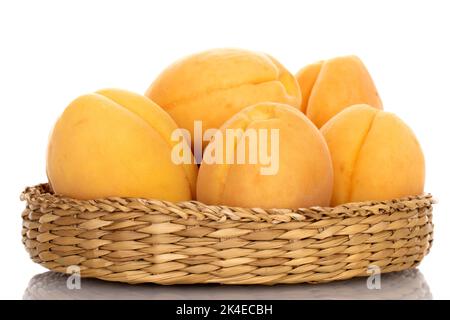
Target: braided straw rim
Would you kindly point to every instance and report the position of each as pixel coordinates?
(143, 240)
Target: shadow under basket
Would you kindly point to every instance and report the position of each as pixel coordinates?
(139, 240)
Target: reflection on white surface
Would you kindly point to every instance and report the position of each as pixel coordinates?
(408, 284)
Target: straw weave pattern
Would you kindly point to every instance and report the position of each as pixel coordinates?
(139, 240)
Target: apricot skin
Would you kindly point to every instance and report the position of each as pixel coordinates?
(375, 155)
(332, 85)
(116, 143)
(213, 85)
(304, 178)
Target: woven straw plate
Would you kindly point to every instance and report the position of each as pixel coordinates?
(138, 240)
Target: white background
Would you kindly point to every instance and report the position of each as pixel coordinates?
(53, 51)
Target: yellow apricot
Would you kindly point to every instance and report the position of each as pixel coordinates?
(213, 85)
(304, 174)
(375, 155)
(332, 85)
(116, 143)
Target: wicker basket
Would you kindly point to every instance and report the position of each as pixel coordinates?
(138, 240)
